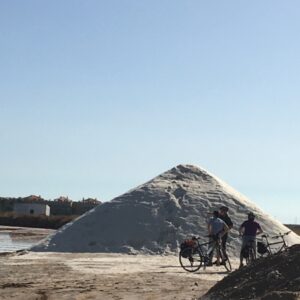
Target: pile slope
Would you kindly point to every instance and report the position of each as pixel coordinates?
(271, 278)
(156, 216)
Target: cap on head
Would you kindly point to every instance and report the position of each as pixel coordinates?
(224, 208)
(251, 215)
(215, 213)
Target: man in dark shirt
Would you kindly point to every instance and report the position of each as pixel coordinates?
(249, 230)
(223, 215)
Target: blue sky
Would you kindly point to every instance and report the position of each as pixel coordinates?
(97, 97)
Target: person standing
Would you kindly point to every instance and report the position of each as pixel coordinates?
(216, 229)
(249, 230)
(223, 215)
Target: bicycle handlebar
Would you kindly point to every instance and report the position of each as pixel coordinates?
(281, 235)
(263, 236)
(204, 236)
(276, 236)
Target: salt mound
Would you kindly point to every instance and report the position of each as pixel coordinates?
(156, 216)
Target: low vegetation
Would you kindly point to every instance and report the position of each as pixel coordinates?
(50, 222)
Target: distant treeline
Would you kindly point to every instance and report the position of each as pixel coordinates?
(60, 206)
(50, 222)
(55, 222)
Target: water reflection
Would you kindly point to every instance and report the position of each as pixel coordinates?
(7, 244)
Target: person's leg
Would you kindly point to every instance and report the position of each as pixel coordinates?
(254, 246)
(244, 242)
(218, 244)
(210, 251)
(224, 241)
(241, 258)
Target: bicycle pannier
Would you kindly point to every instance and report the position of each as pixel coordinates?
(261, 248)
(189, 245)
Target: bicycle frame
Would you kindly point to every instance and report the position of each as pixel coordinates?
(200, 247)
(193, 257)
(282, 242)
(252, 255)
(207, 253)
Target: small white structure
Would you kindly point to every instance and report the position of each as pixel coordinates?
(33, 209)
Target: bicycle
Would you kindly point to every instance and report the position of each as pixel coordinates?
(197, 254)
(248, 252)
(265, 248)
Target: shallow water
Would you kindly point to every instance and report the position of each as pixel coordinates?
(7, 244)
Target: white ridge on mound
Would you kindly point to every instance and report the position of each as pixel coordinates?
(156, 216)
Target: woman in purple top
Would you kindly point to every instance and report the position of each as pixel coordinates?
(249, 230)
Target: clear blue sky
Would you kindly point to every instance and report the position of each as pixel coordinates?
(97, 97)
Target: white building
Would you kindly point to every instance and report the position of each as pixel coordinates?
(33, 209)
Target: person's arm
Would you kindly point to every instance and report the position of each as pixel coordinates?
(242, 229)
(230, 224)
(259, 230)
(225, 229)
(209, 229)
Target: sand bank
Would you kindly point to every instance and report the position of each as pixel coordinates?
(101, 276)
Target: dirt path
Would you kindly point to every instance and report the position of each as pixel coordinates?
(100, 276)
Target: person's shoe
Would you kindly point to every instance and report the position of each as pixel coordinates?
(241, 265)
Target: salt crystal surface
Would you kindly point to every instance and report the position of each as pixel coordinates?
(156, 216)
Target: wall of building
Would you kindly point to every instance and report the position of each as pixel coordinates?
(34, 209)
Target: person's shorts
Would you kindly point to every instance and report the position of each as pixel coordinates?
(248, 239)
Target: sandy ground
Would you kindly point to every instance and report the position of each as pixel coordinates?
(100, 276)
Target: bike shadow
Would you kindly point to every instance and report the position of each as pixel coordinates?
(213, 272)
(166, 267)
(207, 272)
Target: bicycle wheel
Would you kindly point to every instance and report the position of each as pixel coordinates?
(265, 254)
(247, 260)
(251, 255)
(225, 260)
(190, 259)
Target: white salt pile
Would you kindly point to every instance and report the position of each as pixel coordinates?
(156, 216)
